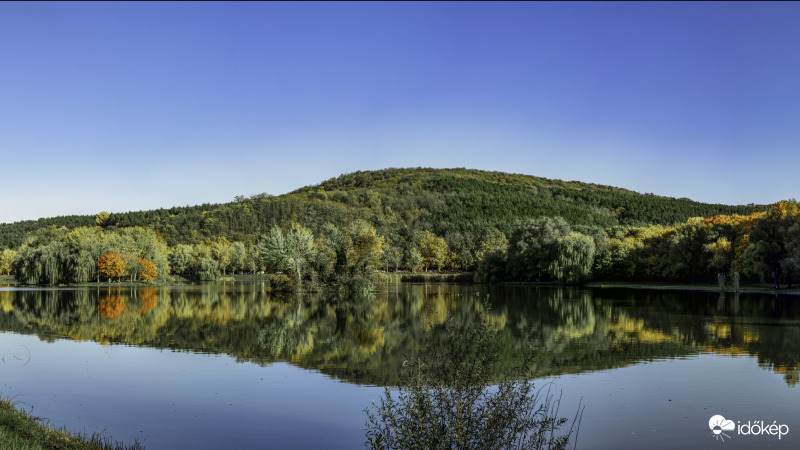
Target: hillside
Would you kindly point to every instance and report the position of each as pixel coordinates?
(439, 200)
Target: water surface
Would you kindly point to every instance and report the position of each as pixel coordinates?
(232, 365)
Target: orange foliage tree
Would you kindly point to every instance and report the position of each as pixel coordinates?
(110, 265)
(149, 270)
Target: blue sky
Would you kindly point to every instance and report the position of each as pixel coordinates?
(132, 106)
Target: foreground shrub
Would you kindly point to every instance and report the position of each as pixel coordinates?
(446, 400)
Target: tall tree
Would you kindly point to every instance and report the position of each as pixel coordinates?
(239, 257)
(367, 247)
(180, 258)
(6, 260)
(492, 239)
(222, 250)
(274, 250)
(292, 250)
(433, 249)
(687, 254)
(766, 254)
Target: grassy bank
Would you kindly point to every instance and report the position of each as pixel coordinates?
(21, 431)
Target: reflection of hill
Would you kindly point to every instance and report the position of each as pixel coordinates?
(366, 340)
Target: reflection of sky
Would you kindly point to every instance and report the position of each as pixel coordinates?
(187, 400)
(666, 404)
(182, 400)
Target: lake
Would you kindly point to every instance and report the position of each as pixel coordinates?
(231, 365)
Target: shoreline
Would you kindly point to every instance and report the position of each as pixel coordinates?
(437, 277)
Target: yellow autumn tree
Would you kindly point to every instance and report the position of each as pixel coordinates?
(434, 250)
(367, 247)
(6, 260)
(101, 219)
(110, 266)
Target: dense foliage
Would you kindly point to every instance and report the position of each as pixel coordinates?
(504, 226)
(443, 201)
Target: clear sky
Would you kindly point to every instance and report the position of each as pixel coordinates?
(132, 106)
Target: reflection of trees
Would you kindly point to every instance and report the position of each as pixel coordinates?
(6, 301)
(104, 315)
(110, 306)
(577, 330)
(367, 339)
(149, 297)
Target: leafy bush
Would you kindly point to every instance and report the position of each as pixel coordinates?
(445, 401)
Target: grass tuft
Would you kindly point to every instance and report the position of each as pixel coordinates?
(21, 431)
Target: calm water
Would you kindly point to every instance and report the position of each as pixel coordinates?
(231, 366)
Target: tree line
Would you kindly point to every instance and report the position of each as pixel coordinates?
(503, 226)
(759, 246)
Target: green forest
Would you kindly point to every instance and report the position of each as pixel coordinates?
(345, 230)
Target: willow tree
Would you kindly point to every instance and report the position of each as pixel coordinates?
(84, 248)
(534, 246)
(574, 260)
(26, 266)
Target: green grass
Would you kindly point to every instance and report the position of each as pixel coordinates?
(21, 431)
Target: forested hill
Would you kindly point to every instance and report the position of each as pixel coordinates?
(443, 201)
